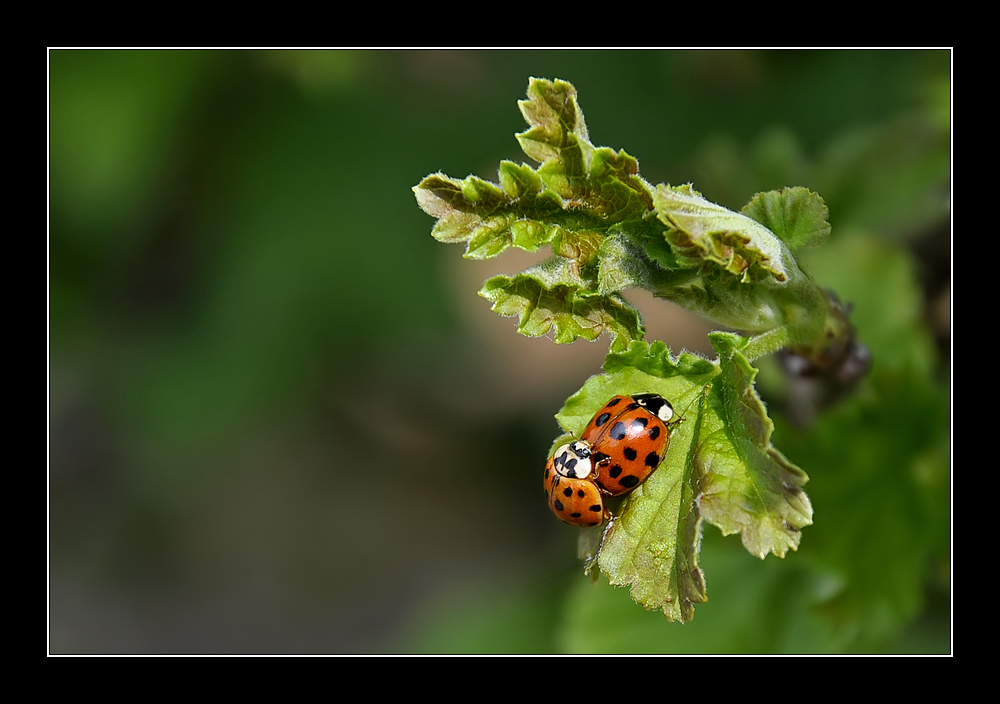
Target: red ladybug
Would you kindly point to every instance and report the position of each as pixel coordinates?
(569, 487)
(628, 438)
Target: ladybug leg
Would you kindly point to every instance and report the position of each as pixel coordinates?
(599, 459)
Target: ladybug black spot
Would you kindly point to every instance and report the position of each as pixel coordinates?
(640, 423)
(654, 433)
(596, 508)
(652, 459)
(580, 493)
(615, 471)
(576, 515)
(602, 419)
(613, 402)
(567, 492)
(618, 431)
(559, 505)
(629, 481)
(630, 454)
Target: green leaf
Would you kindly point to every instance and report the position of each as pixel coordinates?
(595, 211)
(522, 212)
(703, 232)
(615, 190)
(653, 545)
(746, 278)
(747, 486)
(719, 466)
(796, 215)
(490, 218)
(557, 136)
(551, 297)
(599, 181)
(518, 180)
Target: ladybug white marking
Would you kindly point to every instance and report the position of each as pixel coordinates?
(572, 460)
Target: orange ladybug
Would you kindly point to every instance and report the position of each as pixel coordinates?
(628, 438)
(569, 488)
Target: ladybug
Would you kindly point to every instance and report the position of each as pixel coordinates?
(627, 440)
(572, 494)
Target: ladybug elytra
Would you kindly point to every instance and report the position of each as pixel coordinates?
(572, 494)
(629, 437)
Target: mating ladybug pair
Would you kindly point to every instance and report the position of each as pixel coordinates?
(620, 447)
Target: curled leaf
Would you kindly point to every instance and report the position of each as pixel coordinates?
(491, 218)
(703, 232)
(557, 135)
(551, 297)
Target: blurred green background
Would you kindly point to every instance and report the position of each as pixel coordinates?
(281, 420)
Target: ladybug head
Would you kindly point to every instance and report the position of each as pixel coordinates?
(655, 404)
